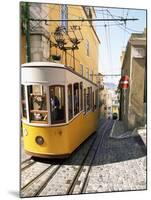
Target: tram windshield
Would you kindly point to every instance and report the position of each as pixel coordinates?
(37, 104)
(23, 102)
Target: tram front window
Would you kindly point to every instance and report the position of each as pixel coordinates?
(57, 104)
(37, 104)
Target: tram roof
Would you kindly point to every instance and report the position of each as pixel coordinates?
(43, 64)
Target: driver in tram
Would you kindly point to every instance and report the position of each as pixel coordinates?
(55, 104)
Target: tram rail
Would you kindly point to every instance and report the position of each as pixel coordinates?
(39, 183)
(27, 163)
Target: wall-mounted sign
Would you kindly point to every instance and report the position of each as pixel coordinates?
(138, 52)
(124, 82)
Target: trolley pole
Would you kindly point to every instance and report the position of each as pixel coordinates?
(27, 31)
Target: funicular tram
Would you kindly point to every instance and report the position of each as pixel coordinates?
(59, 109)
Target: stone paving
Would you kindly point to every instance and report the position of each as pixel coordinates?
(121, 164)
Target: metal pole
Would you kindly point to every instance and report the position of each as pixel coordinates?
(27, 31)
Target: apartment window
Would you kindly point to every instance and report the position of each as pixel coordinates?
(87, 47)
(64, 16)
(91, 75)
(87, 73)
(81, 69)
(109, 108)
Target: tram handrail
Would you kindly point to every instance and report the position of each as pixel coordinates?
(39, 111)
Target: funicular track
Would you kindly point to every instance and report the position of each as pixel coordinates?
(68, 176)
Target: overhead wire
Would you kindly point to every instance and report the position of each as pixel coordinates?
(118, 22)
(110, 47)
(123, 30)
(106, 38)
(107, 31)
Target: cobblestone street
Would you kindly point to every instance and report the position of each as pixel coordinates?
(114, 164)
(121, 166)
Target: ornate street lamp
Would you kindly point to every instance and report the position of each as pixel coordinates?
(58, 35)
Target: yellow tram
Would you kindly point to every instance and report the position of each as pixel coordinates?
(59, 109)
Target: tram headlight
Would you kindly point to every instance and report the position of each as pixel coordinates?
(39, 140)
(25, 132)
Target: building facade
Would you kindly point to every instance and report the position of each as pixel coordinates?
(133, 99)
(58, 33)
(106, 104)
(115, 103)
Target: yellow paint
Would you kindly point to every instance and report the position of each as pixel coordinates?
(23, 48)
(63, 139)
(88, 34)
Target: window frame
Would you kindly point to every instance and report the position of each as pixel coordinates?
(30, 120)
(61, 121)
(72, 116)
(23, 101)
(84, 101)
(81, 69)
(96, 98)
(81, 96)
(64, 15)
(88, 102)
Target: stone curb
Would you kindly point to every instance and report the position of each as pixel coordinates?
(142, 133)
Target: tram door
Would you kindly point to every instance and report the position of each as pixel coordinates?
(57, 104)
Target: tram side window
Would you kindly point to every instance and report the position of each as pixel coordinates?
(57, 104)
(96, 98)
(37, 104)
(85, 103)
(76, 98)
(70, 111)
(88, 99)
(23, 102)
(81, 96)
(93, 106)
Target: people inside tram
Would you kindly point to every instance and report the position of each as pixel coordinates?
(55, 104)
(76, 102)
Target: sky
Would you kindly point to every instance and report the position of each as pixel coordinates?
(114, 37)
